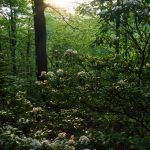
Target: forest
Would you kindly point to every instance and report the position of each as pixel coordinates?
(75, 81)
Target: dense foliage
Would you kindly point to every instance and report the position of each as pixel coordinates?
(96, 93)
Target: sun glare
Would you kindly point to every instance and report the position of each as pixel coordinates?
(60, 3)
(66, 4)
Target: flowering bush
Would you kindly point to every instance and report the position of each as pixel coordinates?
(88, 103)
(102, 85)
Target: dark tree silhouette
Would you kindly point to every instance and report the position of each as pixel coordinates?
(40, 36)
(117, 44)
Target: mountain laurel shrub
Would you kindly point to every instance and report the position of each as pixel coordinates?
(83, 103)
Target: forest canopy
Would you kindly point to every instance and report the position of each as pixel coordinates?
(75, 80)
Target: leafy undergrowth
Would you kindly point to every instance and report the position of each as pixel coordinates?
(82, 103)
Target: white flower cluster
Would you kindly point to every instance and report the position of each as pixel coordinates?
(37, 109)
(45, 142)
(71, 142)
(81, 74)
(20, 95)
(23, 120)
(35, 144)
(39, 133)
(103, 12)
(147, 65)
(50, 74)
(57, 145)
(56, 51)
(98, 63)
(38, 82)
(70, 52)
(61, 135)
(121, 82)
(10, 128)
(117, 8)
(41, 82)
(60, 72)
(61, 143)
(116, 38)
(43, 73)
(3, 112)
(84, 140)
(131, 2)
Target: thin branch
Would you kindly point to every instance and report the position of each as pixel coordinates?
(64, 19)
(146, 42)
(133, 38)
(124, 113)
(136, 24)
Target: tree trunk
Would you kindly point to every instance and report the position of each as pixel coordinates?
(28, 53)
(12, 36)
(40, 37)
(126, 36)
(28, 40)
(117, 43)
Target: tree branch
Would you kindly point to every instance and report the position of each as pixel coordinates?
(133, 38)
(64, 19)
